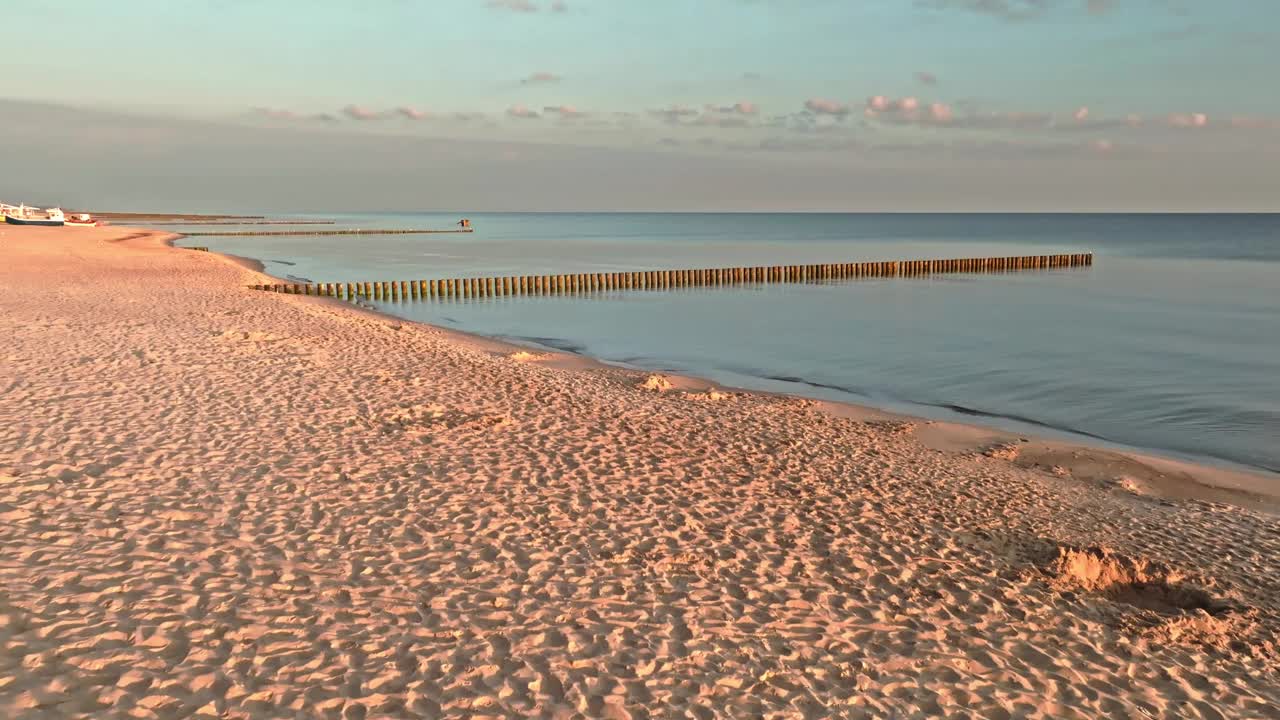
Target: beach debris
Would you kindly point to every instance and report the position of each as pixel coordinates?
(526, 356)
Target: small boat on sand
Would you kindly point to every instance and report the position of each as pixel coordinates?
(24, 215)
(81, 220)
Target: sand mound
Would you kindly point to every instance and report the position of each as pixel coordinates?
(1137, 582)
(526, 356)
(712, 395)
(657, 383)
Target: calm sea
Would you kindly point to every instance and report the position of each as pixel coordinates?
(1170, 342)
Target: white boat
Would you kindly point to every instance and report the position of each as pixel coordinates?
(23, 215)
(81, 220)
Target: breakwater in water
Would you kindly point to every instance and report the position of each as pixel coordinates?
(527, 285)
(318, 233)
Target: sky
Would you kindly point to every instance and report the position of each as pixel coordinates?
(901, 105)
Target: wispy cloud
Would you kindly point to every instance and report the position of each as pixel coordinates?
(564, 112)
(523, 6)
(356, 112)
(1188, 120)
(411, 113)
(527, 6)
(522, 112)
(291, 116)
(674, 114)
(1017, 9)
(825, 106)
(541, 78)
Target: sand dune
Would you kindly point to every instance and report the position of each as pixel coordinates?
(221, 503)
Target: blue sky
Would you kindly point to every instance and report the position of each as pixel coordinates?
(870, 81)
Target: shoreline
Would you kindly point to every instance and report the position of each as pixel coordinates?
(1163, 472)
(216, 502)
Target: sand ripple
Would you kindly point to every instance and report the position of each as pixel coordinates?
(216, 503)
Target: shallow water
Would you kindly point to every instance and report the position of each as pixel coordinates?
(1170, 342)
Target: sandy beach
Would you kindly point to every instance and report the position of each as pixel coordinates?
(216, 502)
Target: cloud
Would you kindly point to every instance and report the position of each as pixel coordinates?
(926, 78)
(527, 6)
(752, 76)
(674, 114)
(412, 113)
(1188, 120)
(1017, 9)
(523, 6)
(564, 112)
(823, 106)
(738, 108)
(522, 112)
(356, 112)
(541, 78)
(291, 116)
(738, 115)
(913, 111)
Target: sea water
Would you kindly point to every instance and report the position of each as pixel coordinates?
(1170, 342)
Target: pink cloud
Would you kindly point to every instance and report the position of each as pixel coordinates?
(356, 112)
(412, 113)
(1082, 114)
(739, 108)
(1188, 120)
(522, 112)
(565, 112)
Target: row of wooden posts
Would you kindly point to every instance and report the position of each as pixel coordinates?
(666, 279)
(318, 233)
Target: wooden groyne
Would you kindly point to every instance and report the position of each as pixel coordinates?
(216, 223)
(317, 233)
(538, 285)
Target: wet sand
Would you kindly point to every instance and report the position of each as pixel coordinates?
(222, 503)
